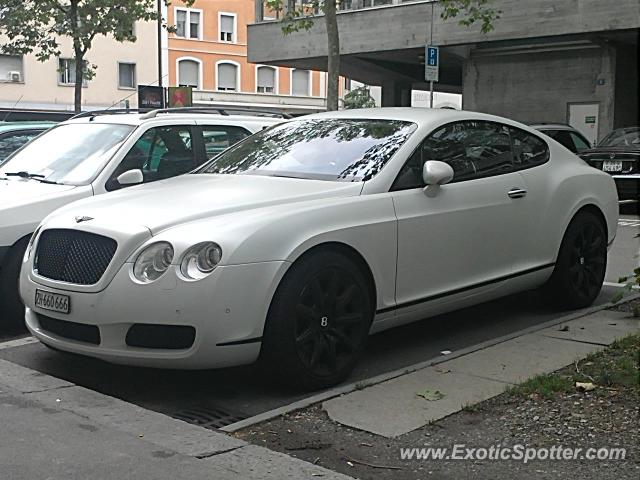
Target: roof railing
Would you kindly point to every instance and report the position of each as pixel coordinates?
(226, 111)
(112, 111)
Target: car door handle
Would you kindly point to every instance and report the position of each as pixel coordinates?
(517, 193)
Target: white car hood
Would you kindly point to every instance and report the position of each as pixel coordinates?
(20, 191)
(167, 203)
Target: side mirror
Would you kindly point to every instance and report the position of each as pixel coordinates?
(436, 173)
(130, 177)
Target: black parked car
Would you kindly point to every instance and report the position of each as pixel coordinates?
(619, 154)
(565, 135)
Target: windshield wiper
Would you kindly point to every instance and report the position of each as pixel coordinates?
(32, 176)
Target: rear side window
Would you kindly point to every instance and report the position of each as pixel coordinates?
(562, 137)
(217, 138)
(528, 150)
(580, 143)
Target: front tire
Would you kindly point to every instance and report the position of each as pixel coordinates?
(318, 322)
(11, 305)
(582, 261)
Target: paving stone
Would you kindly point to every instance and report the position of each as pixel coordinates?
(603, 327)
(393, 408)
(521, 358)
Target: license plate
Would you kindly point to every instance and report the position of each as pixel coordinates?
(53, 301)
(611, 166)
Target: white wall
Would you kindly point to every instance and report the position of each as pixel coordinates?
(40, 88)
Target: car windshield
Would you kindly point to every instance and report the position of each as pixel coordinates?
(72, 154)
(624, 137)
(323, 149)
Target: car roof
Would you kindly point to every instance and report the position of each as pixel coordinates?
(135, 119)
(552, 126)
(419, 115)
(9, 126)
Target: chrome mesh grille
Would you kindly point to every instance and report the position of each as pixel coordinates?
(73, 256)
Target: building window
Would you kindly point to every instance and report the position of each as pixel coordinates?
(301, 82)
(188, 23)
(266, 81)
(126, 75)
(227, 77)
(11, 69)
(188, 73)
(67, 72)
(227, 22)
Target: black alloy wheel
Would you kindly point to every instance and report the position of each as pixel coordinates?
(581, 264)
(329, 315)
(318, 322)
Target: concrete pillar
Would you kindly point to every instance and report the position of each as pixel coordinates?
(396, 94)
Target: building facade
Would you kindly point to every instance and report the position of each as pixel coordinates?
(28, 84)
(572, 61)
(208, 52)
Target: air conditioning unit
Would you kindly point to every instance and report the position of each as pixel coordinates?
(14, 76)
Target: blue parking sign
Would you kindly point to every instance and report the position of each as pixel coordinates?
(432, 56)
(431, 63)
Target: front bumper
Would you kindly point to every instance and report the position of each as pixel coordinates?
(227, 310)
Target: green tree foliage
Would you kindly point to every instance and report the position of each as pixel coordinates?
(359, 98)
(470, 12)
(42, 26)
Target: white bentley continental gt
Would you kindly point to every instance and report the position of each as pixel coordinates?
(294, 245)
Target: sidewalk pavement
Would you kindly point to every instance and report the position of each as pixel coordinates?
(53, 429)
(394, 407)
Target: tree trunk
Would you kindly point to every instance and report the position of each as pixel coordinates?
(77, 88)
(333, 58)
(78, 55)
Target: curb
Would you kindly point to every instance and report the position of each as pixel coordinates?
(351, 387)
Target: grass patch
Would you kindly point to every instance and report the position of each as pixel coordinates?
(614, 367)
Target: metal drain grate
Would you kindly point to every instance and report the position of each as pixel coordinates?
(212, 418)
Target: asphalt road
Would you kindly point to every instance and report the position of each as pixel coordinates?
(242, 392)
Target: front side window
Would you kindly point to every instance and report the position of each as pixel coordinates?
(474, 149)
(161, 152)
(72, 153)
(325, 149)
(217, 138)
(188, 73)
(227, 77)
(227, 28)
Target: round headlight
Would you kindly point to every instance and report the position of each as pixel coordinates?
(200, 260)
(152, 262)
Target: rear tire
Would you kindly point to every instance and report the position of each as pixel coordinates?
(318, 322)
(11, 305)
(582, 261)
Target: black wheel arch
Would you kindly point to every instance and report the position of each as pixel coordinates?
(351, 253)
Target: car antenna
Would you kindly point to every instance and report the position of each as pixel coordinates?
(11, 110)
